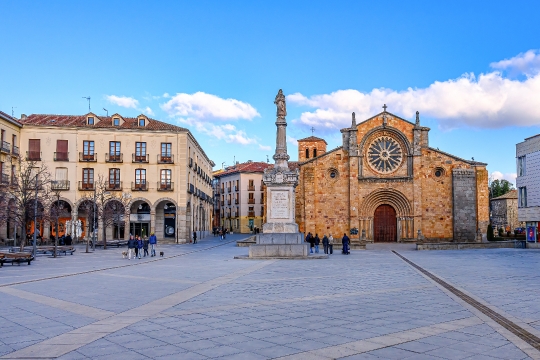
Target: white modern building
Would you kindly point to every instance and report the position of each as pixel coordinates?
(528, 184)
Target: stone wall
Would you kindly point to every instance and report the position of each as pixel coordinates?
(464, 201)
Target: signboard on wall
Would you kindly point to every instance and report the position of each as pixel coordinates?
(531, 233)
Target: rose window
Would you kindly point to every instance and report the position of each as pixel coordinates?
(384, 155)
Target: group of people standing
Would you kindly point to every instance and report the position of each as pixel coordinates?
(328, 243)
(221, 232)
(138, 246)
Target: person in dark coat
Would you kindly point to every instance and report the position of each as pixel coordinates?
(345, 241)
(140, 245)
(194, 237)
(132, 245)
(145, 247)
(153, 242)
(317, 241)
(310, 240)
(69, 240)
(325, 244)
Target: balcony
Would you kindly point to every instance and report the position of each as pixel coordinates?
(236, 201)
(223, 190)
(165, 159)
(61, 156)
(84, 157)
(251, 201)
(228, 202)
(5, 147)
(236, 214)
(190, 162)
(33, 155)
(15, 150)
(251, 188)
(140, 158)
(228, 189)
(165, 186)
(139, 186)
(5, 179)
(191, 188)
(114, 185)
(235, 187)
(222, 202)
(251, 213)
(85, 186)
(114, 158)
(60, 185)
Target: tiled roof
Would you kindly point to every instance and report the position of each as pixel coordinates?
(10, 118)
(101, 122)
(313, 138)
(247, 167)
(512, 194)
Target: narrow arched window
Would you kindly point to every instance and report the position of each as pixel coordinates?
(314, 152)
(307, 153)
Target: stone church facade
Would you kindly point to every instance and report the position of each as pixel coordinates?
(386, 184)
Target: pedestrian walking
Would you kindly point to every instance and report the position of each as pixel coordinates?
(140, 245)
(132, 245)
(317, 241)
(331, 244)
(325, 243)
(345, 241)
(145, 247)
(311, 241)
(153, 242)
(194, 237)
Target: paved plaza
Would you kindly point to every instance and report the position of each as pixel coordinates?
(197, 302)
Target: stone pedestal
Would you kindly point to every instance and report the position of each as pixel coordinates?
(282, 245)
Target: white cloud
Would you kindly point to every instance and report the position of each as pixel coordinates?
(292, 141)
(488, 100)
(527, 63)
(166, 95)
(148, 111)
(207, 107)
(227, 132)
(123, 101)
(497, 175)
(265, 147)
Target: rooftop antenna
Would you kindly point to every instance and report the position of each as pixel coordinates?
(106, 111)
(312, 130)
(267, 159)
(87, 98)
(13, 112)
(223, 165)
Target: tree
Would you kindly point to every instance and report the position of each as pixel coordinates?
(30, 184)
(112, 207)
(499, 187)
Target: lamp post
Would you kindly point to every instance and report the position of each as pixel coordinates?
(34, 248)
(94, 223)
(201, 209)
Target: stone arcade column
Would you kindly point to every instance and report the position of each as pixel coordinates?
(280, 237)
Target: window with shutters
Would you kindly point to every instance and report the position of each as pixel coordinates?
(88, 151)
(115, 154)
(251, 185)
(60, 181)
(140, 152)
(251, 198)
(88, 179)
(140, 178)
(61, 151)
(166, 175)
(166, 153)
(114, 178)
(34, 150)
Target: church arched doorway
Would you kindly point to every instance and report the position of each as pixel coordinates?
(385, 224)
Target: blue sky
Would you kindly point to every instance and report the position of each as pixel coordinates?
(472, 68)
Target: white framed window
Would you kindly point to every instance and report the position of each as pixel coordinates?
(522, 197)
(521, 170)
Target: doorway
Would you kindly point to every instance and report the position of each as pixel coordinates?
(385, 224)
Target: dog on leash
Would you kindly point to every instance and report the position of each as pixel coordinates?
(124, 254)
(161, 253)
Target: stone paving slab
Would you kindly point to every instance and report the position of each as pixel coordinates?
(205, 304)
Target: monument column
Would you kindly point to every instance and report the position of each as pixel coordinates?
(280, 237)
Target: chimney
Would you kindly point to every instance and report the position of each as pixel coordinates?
(23, 116)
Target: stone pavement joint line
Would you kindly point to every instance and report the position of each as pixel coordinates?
(116, 267)
(517, 330)
(70, 341)
(75, 308)
(380, 342)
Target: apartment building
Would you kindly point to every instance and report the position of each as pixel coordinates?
(528, 185)
(160, 167)
(240, 196)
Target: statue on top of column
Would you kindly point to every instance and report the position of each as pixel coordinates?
(280, 104)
